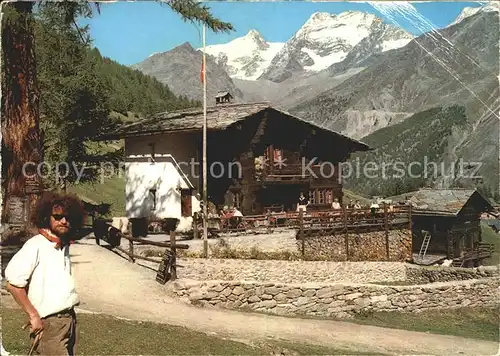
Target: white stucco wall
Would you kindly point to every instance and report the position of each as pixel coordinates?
(171, 154)
(162, 176)
(182, 146)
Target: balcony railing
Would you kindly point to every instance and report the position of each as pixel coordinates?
(298, 171)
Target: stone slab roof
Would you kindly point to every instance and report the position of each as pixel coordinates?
(443, 201)
(219, 117)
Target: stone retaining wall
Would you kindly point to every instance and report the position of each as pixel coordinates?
(339, 300)
(367, 246)
(282, 271)
(420, 275)
(290, 271)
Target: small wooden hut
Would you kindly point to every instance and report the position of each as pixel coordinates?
(451, 218)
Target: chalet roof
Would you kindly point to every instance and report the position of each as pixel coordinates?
(222, 94)
(446, 202)
(219, 117)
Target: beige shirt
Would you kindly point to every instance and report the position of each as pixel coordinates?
(336, 205)
(48, 270)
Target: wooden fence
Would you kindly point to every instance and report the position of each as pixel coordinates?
(308, 224)
(167, 269)
(312, 222)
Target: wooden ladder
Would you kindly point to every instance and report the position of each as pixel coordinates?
(425, 245)
(457, 262)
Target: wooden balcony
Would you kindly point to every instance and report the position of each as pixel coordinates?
(294, 173)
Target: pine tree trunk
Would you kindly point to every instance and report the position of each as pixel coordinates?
(20, 113)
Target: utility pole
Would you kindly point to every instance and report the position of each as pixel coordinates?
(205, 195)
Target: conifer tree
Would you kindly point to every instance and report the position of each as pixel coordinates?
(21, 138)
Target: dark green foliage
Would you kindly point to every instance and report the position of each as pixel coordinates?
(74, 102)
(80, 90)
(422, 139)
(133, 91)
(488, 192)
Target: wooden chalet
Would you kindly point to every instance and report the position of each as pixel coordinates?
(223, 97)
(257, 155)
(446, 223)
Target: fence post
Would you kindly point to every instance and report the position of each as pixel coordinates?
(195, 226)
(174, 254)
(268, 217)
(386, 227)
(409, 219)
(131, 250)
(301, 231)
(346, 235)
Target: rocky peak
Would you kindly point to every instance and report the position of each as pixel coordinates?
(323, 40)
(470, 11)
(255, 37)
(185, 47)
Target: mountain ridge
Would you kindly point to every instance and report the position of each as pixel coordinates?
(180, 69)
(245, 57)
(325, 39)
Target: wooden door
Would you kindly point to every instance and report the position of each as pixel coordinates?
(186, 203)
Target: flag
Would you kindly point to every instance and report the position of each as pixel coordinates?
(202, 70)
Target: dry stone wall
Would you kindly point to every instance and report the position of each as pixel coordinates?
(420, 275)
(282, 271)
(290, 271)
(367, 246)
(339, 300)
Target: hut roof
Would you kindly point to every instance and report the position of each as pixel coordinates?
(219, 117)
(446, 202)
(222, 94)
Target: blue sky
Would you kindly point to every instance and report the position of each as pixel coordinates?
(128, 32)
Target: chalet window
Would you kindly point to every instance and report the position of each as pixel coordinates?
(186, 204)
(278, 155)
(237, 200)
(329, 196)
(321, 196)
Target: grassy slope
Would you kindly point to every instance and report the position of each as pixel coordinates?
(425, 134)
(491, 237)
(477, 323)
(105, 335)
(350, 195)
(111, 191)
(474, 323)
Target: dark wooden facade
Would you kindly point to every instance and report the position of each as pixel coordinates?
(239, 136)
(273, 137)
(452, 235)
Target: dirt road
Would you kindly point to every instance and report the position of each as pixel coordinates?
(109, 284)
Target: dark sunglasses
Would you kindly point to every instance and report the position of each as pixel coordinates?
(60, 217)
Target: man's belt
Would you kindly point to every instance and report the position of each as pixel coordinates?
(61, 314)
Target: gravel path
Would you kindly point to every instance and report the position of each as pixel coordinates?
(109, 284)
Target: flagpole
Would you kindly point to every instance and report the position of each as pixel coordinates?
(205, 196)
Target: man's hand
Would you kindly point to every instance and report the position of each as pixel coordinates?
(21, 297)
(36, 324)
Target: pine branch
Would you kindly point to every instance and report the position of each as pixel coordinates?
(194, 11)
(80, 32)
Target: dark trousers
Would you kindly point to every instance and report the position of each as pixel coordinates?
(59, 336)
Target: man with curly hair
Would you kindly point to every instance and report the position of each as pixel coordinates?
(39, 275)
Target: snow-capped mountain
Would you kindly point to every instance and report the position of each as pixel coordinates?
(470, 11)
(326, 39)
(382, 38)
(245, 57)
